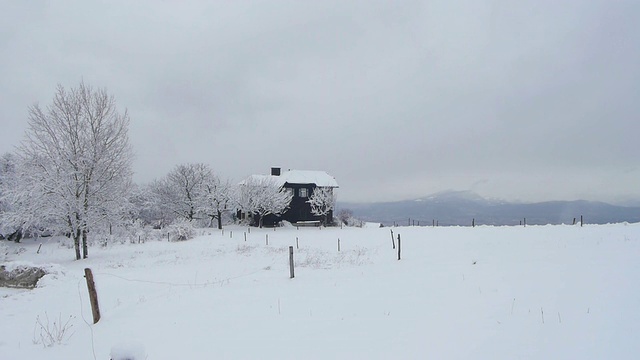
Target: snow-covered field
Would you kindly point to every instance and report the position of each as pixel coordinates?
(536, 292)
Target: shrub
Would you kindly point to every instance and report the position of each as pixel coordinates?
(52, 333)
(181, 230)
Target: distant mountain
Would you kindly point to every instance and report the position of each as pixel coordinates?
(461, 207)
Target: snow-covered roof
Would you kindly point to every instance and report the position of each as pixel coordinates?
(319, 178)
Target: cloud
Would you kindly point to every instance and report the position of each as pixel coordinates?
(397, 100)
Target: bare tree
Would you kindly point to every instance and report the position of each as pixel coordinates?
(322, 202)
(262, 196)
(75, 165)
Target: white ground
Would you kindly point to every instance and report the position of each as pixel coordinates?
(540, 292)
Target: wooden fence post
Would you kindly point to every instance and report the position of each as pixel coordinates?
(398, 246)
(291, 275)
(93, 295)
(266, 239)
(473, 222)
(393, 242)
(245, 236)
(581, 221)
(297, 245)
(338, 244)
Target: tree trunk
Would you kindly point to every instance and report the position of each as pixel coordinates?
(219, 220)
(85, 248)
(76, 243)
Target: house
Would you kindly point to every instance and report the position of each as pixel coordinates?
(301, 184)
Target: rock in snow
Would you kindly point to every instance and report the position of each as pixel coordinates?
(20, 277)
(128, 351)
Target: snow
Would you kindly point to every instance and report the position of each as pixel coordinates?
(534, 292)
(319, 178)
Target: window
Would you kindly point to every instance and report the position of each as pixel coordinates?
(303, 192)
(291, 191)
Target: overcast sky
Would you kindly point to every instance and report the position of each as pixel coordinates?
(521, 100)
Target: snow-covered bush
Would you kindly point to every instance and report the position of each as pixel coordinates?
(181, 230)
(132, 232)
(345, 216)
(136, 232)
(145, 233)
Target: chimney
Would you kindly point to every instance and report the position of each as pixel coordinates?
(275, 171)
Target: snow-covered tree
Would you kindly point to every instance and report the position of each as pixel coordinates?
(214, 197)
(244, 197)
(274, 200)
(262, 195)
(161, 196)
(183, 187)
(145, 207)
(322, 201)
(8, 169)
(75, 165)
(7, 177)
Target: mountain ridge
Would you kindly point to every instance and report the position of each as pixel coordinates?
(466, 207)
